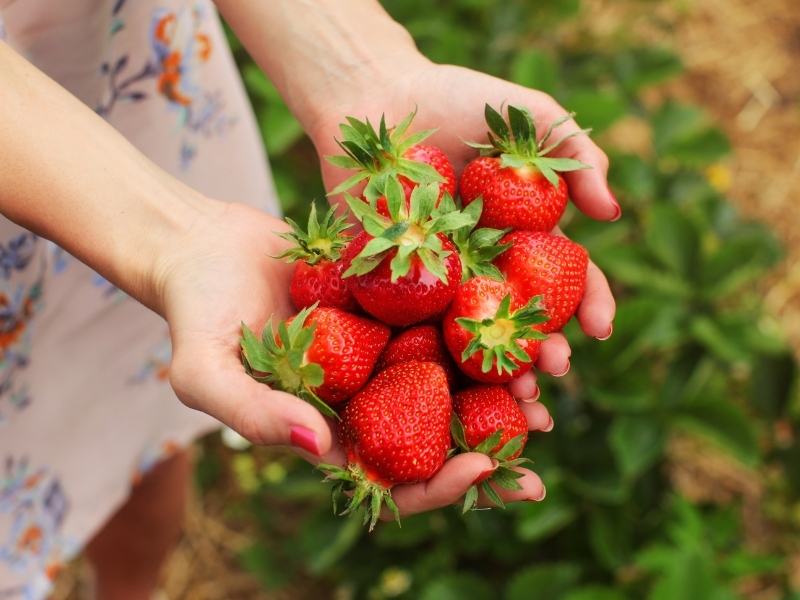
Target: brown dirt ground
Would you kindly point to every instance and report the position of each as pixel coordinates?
(743, 67)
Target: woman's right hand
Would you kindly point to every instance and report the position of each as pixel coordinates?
(220, 273)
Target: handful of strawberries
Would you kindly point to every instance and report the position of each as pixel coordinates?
(408, 331)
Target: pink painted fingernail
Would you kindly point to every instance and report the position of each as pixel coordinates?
(608, 335)
(304, 438)
(549, 426)
(569, 364)
(533, 398)
(484, 475)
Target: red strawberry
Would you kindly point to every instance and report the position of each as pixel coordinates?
(321, 354)
(490, 332)
(486, 409)
(490, 421)
(420, 343)
(403, 269)
(395, 430)
(317, 277)
(378, 155)
(519, 183)
(550, 266)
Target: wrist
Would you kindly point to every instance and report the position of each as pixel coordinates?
(171, 216)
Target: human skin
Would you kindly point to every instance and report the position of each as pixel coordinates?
(204, 264)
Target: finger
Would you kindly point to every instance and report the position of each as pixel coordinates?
(597, 309)
(588, 188)
(525, 388)
(537, 415)
(221, 388)
(531, 486)
(554, 355)
(447, 487)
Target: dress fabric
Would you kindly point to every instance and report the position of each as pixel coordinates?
(85, 406)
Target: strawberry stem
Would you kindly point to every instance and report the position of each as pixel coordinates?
(411, 229)
(283, 365)
(352, 485)
(504, 474)
(319, 240)
(496, 338)
(377, 155)
(515, 142)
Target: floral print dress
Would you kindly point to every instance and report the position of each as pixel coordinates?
(85, 406)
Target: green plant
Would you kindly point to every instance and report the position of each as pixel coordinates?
(693, 353)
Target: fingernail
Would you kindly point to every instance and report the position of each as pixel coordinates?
(304, 438)
(608, 335)
(617, 207)
(542, 495)
(484, 475)
(569, 364)
(549, 426)
(533, 398)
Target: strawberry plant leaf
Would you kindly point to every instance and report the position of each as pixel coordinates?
(470, 499)
(496, 122)
(492, 495)
(458, 433)
(348, 183)
(486, 446)
(510, 447)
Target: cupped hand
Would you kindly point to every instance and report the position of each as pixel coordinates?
(451, 99)
(222, 273)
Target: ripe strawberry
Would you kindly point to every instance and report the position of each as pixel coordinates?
(549, 266)
(317, 277)
(320, 355)
(490, 332)
(378, 155)
(403, 269)
(489, 420)
(519, 183)
(395, 430)
(420, 343)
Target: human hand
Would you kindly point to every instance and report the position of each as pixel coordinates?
(452, 99)
(222, 273)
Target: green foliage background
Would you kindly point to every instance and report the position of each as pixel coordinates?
(692, 354)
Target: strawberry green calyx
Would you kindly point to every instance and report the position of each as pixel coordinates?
(278, 359)
(497, 337)
(515, 142)
(352, 485)
(320, 240)
(479, 247)
(504, 474)
(378, 155)
(411, 229)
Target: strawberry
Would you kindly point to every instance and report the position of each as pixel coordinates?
(320, 355)
(548, 266)
(520, 185)
(490, 332)
(420, 343)
(403, 269)
(378, 155)
(317, 277)
(487, 419)
(394, 431)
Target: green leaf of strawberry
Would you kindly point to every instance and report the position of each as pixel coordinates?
(320, 240)
(412, 229)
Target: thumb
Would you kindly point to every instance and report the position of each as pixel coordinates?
(262, 415)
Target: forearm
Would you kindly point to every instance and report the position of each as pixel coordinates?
(68, 176)
(321, 52)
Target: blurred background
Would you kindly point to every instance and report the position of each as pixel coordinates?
(674, 468)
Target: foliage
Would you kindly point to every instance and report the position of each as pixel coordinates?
(692, 354)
